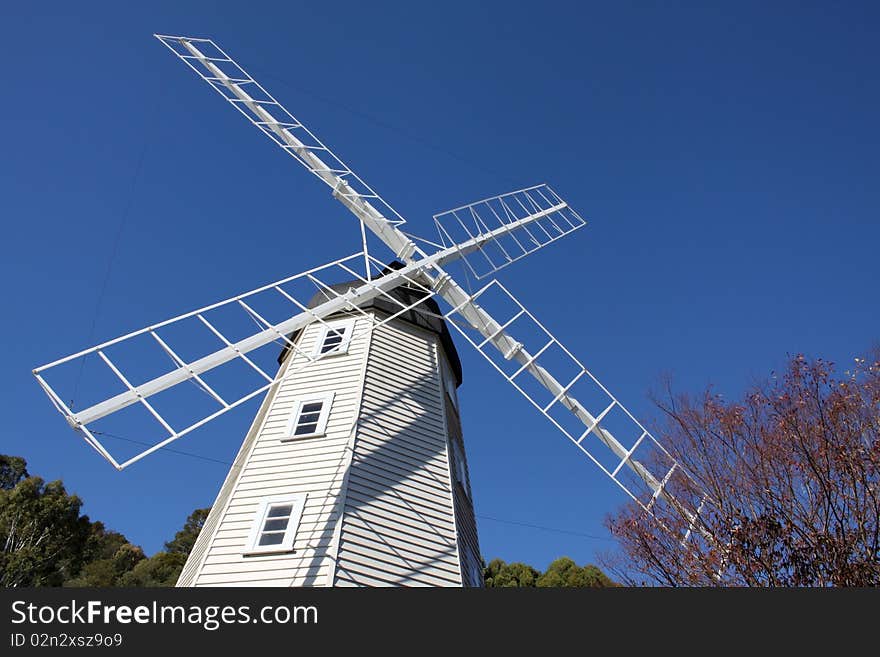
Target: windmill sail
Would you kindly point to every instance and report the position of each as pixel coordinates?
(489, 235)
(498, 221)
(261, 109)
(236, 335)
(226, 350)
(562, 389)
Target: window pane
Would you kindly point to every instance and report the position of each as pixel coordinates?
(276, 525)
(307, 418)
(332, 340)
(305, 428)
(312, 407)
(280, 511)
(272, 539)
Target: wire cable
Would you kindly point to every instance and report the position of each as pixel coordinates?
(517, 523)
(387, 126)
(149, 133)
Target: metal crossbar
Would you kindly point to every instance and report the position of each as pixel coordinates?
(496, 219)
(489, 235)
(227, 77)
(605, 449)
(278, 298)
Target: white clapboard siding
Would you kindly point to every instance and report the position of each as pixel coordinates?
(267, 466)
(465, 520)
(398, 526)
(383, 507)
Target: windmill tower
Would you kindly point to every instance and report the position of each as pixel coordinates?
(353, 471)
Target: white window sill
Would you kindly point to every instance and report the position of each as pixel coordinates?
(330, 354)
(302, 436)
(263, 553)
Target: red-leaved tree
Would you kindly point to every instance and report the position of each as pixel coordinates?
(790, 476)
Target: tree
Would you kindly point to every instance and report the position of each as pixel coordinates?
(501, 574)
(162, 569)
(42, 534)
(107, 556)
(561, 573)
(792, 477)
(566, 573)
(12, 470)
(183, 541)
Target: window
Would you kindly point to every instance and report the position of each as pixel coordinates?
(459, 469)
(449, 383)
(334, 338)
(476, 568)
(275, 524)
(309, 418)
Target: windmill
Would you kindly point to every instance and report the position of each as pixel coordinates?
(353, 471)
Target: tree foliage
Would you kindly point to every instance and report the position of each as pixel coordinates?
(162, 569)
(566, 573)
(42, 534)
(12, 470)
(501, 574)
(45, 541)
(792, 473)
(563, 572)
(183, 541)
(108, 556)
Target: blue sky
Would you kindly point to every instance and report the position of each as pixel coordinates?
(726, 159)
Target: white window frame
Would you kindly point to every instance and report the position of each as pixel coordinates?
(476, 568)
(449, 384)
(460, 470)
(326, 400)
(298, 502)
(347, 327)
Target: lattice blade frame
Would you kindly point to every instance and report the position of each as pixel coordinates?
(136, 377)
(499, 223)
(262, 110)
(556, 383)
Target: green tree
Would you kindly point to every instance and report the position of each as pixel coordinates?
(12, 470)
(500, 574)
(45, 541)
(561, 573)
(183, 541)
(566, 573)
(162, 569)
(42, 534)
(108, 556)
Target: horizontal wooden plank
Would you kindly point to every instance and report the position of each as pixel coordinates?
(399, 530)
(402, 455)
(383, 471)
(401, 493)
(306, 575)
(383, 541)
(399, 561)
(363, 500)
(354, 564)
(403, 449)
(394, 418)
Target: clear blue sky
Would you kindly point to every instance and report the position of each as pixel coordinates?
(726, 158)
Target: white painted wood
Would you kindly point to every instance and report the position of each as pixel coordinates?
(381, 503)
(401, 405)
(314, 466)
